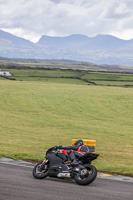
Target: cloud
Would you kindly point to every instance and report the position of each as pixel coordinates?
(33, 18)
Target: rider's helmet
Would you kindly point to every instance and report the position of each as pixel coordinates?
(79, 142)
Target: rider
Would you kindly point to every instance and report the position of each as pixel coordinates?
(78, 148)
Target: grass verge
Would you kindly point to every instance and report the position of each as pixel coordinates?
(38, 115)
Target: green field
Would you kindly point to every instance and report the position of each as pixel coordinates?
(36, 115)
(72, 76)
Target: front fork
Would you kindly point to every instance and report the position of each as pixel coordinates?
(42, 165)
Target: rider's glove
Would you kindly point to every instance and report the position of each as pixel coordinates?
(57, 147)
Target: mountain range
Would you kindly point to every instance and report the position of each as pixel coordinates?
(101, 49)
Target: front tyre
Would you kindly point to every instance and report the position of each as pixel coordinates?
(87, 175)
(41, 170)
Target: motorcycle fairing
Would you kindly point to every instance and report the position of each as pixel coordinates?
(56, 164)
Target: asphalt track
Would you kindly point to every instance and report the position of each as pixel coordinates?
(17, 183)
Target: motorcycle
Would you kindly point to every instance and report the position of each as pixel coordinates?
(58, 165)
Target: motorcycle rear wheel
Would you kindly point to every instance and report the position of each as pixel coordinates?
(39, 172)
(88, 177)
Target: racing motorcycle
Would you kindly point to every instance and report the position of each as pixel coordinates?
(58, 165)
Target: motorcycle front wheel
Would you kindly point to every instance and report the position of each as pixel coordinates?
(40, 170)
(87, 175)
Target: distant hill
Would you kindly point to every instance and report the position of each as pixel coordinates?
(9, 39)
(101, 49)
(69, 41)
(99, 42)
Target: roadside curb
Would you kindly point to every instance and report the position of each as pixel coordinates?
(22, 163)
(102, 175)
(16, 162)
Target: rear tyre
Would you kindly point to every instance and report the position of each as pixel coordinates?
(87, 175)
(39, 171)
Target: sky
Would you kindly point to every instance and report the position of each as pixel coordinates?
(30, 19)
